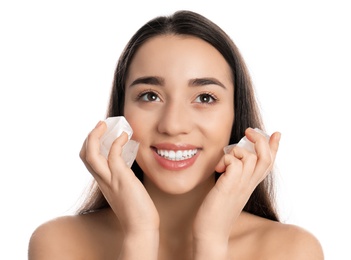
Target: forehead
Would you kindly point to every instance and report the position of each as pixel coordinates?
(186, 54)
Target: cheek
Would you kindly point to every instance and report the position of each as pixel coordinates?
(131, 117)
(142, 123)
(220, 125)
(135, 124)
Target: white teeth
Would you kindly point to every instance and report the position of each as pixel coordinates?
(177, 155)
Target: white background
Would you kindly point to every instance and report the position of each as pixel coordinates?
(56, 66)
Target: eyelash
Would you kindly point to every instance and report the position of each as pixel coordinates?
(209, 95)
(144, 93)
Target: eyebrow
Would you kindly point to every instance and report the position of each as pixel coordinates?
(149, 80)
(158, 81)
(206, 81)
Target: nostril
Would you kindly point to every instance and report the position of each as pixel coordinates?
(174, 121)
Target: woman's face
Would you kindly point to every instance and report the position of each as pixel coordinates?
(179, 102)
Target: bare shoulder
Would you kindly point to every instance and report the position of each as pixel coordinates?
(292, 242)
(90, 236)
(275, 240)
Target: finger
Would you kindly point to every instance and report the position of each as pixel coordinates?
(82, 155)
(239, 153)
(82, 152)
(226, 159)
(260, 143)
(266, 151)
(248, 163)
(224, 162)
(115, 159)
(248, 159)
(91, 152)
(231, 168)
(274, 141)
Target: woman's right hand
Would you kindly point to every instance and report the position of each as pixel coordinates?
(124, 192)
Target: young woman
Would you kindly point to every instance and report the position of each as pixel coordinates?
(184, 88)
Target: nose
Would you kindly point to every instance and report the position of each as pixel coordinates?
(175, 119)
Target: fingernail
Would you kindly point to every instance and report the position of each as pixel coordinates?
(278, 136)
(98, 124)
(250, 129)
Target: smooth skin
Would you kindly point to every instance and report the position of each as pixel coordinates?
(179, 96)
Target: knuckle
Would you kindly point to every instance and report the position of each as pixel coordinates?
(231, 159)
(89, 158)
(252, 157)
(267, 158)
(82, 155)
(90, 136)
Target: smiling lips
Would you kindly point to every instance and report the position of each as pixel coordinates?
(177, 155)
(173, 157)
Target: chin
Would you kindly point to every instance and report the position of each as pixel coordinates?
(180, 185)
(176, 189)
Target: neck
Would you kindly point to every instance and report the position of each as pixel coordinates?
(177, 211)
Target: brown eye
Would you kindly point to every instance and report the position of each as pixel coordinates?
(205, 98)
(149, 97)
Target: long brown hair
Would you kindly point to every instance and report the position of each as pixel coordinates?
(247, 114)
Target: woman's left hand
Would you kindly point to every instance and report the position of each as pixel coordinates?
(241, 172)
